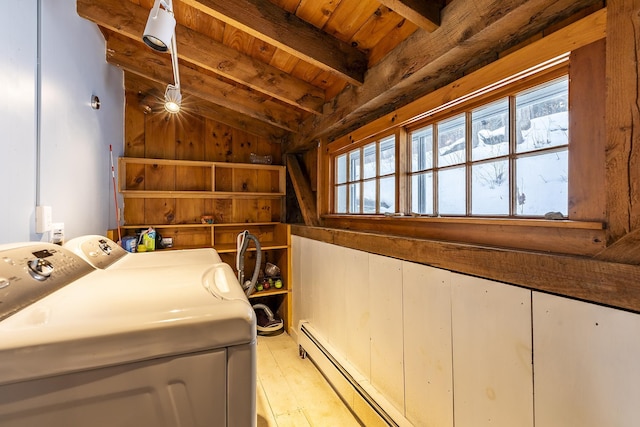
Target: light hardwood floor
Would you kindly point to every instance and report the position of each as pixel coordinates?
(292, 392)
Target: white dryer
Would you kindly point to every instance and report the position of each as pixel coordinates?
(104, 253)
(120, 347)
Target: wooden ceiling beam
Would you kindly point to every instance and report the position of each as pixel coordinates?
(139, 59)
(266, 21)
(425, 62)
(128, 19)
(304, 194)
(151, 94)
(424, 13)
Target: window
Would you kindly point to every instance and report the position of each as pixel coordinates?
(507, 157)
(365, 178)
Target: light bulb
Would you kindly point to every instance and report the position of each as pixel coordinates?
(172, 99)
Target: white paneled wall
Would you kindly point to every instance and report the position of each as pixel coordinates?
(493, 383)
(427, 345)
(385, 308)
(587, 364)
(335, 309)
(446, 349)
(322, 298)
(357, 320)
(18, 59)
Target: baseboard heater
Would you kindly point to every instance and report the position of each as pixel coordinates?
(355, 390)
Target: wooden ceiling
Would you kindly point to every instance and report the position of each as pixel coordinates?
(297, 70)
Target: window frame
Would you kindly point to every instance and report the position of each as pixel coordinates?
(403, 151)
(465, 111)
(584, 233)
(362, 179)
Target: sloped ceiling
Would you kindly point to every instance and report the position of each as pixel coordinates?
(297, 70)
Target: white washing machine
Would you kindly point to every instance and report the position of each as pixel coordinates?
(122, 347)
(104, 253)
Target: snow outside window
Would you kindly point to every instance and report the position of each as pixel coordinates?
(508, 157)
(365, 179)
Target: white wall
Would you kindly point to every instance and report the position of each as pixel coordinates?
(73, 174)
(445, 349)
(18, 32)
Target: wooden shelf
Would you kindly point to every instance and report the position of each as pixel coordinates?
(163, 178)
(155, 194)
(222, 237)
(195, 225)
(200, 224)
(229, 248)
(172, 196)
(260, 294)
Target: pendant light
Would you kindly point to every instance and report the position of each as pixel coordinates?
(159, 34)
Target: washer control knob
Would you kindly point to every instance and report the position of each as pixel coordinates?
(106, 248)
(40, 269)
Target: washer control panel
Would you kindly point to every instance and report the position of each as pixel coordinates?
(30, 271)
(98, 251)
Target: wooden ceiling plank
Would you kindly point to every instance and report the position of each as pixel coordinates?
(349, 17)
(401, 32)
(422, 63)
(149, 91)
(266, 21)
(424, 13)
(316, 12)
(128, 19)
(284, 61)
(138, 59)
(379, 25)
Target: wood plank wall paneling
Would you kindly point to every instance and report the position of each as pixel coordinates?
(155, 134)
(189, 211)
(190, 138)
(160, 129)
(218, 142)
(133, 125)
(623, 118)
(587, 192)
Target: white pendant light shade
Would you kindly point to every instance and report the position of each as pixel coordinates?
(160, 26)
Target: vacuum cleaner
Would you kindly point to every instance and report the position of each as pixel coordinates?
(267, 323)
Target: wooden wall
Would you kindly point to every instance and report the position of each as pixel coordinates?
(153, 133)
(604, 267)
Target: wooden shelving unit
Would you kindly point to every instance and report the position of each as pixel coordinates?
(172, 196)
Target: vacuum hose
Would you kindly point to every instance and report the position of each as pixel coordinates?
(242, 245)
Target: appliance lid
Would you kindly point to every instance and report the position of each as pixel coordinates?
(103, 253)
(111, 317)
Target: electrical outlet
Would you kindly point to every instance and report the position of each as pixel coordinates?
(57, 233)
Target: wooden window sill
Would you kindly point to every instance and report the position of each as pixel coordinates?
(558, 236)
(529, 222)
